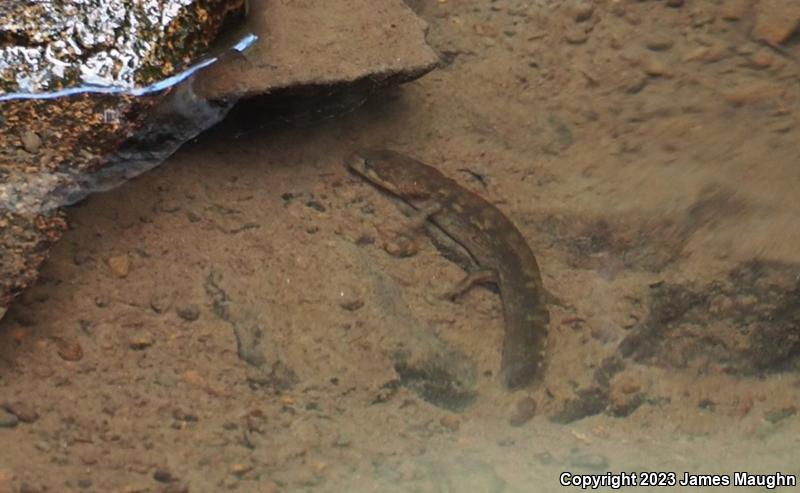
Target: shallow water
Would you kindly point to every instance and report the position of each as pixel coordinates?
(241, 322)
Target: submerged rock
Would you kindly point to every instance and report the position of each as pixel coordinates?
(46, 46)
(79, 118)
(69, 102)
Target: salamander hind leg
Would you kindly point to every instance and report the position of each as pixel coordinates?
(478, 277)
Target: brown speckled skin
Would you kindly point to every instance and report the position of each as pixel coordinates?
(494, 242)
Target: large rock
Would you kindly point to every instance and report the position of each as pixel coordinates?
(49, 144)
(335, 42)
(302, 44)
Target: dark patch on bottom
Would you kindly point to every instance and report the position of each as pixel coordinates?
(595, 399)
(637, 242)
(436, 384)
(746, 324)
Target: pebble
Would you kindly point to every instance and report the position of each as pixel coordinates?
(352, 304)
(523, 412)
(190, 312)
(762, 58)
(655, 67)
(401, 246)
(176, 487)
(161, 302)
(31, 141)
(582, 10)
(25, 412)
(658, 43)
(452, 423)
(776, 20)
(169, 206)
(69, 350)
(42, 446)
(81, 258)
(597, 462)
(120, 265)
(733, 10)
(239, 470)
(7, 420)
(6, 477)
(163, 476)
(778, 415)
(576, 36)
(140, 343)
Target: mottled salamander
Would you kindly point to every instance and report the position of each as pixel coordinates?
(490, 238)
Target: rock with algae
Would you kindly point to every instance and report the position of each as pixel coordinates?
(71, 74)
(52, 152)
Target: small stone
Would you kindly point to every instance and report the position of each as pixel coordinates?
(101, 301)
(161, 302)
(120, 265)
(7, 420)
(190, 312)
(781, 126)
(42, 446)
(595, 462)
(778, 415)
(140, 343)
(450, 422)
(239, 470)
(352, 305)
(675, 3)
(401, 246)
(762, 58)
(655, 67)
(168, 206)
(163, 476)
(630, 387)
(523, 412)
(25, 412)
(81, 258)
(634, 83)
(658, 43)
(776, 21)
(6, 478)
(582, 10)
(31, 141)
(342, 441)
(733, 10)
(176, 487)
(88, 458)
(576, 36)
(69, 350)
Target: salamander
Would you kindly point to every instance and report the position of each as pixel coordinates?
(492, 240)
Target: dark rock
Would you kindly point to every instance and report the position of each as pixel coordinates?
(596, 462)
(189, 312)
(7, 420)
(778, 415)
(23, 411)
(163, 476)
(524, 411)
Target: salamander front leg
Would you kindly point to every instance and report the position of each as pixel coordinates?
(403, 241)
(478, 277)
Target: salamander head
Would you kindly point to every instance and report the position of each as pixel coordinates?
(392, 171)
